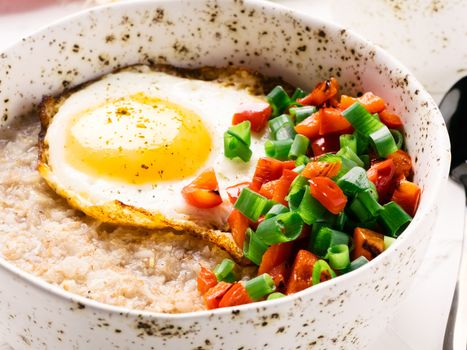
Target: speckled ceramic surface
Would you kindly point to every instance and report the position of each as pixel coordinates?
(343, 313)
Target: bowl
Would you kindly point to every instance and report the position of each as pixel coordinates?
(346, 312)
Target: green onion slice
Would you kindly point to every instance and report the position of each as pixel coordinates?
(260, 286)
(338, 256)
(398, 138)
(310, 209)
(383, 142)
(234, 147)
(388, 241)
(242, 131)
(354, 181)
(276, 210)
(302, 160)
(282, 127)
(326, 238)
(278, 149)
(278, 99)
(348, 140)
(357, 263)
(275, 295)
(394, 219)
(281, 228)
(299, 146)
(298, 93)
(299, 114)
(319, 268)
(252, 204)
(365, 207)
(224, 269)
(253, 247)
(346, 152)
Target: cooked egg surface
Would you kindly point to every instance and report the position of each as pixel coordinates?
(139, 136)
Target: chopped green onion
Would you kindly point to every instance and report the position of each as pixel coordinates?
(398, 138)
(310, 209)
(339, 257)
(365, 207)
(278, 99)
(252, 204)
(302, 160)
(354, 181)
(242, 131)
(394, 219)
(346, 152)
(253, 247)
(361, 120)
(296, 190)
(326, 238)
(357, 263)
(348, 140)
(318, 268)
(299, 114)
(383, 142)
(260, 286)
(362, 143)
(388, 241)
(224, 269)
(373, 191)
(341, 220)
(278, 149)
(276, 210)
(298, 93)
(275, 295)
(299, 146)
(369, 126)
(234, 147)
(282, 128)
(281, 228)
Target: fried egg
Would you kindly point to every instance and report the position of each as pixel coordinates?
(122, 148)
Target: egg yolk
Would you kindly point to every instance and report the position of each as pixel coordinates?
(138, 139)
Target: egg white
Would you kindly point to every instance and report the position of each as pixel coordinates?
(212, 101)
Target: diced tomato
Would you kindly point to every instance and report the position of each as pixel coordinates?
(214, 295)
(302, 270)
(267, 169)
(238, 224)
(257, 113)
(206, 280)
(402, 163)
(310, 126)
(322, 92)
(274, 256)
(407, 195)
(234, 191)
(282, 187)
(236, 295)
(203, 192)
(370, 101)
(328, 169)
(367, 243)
(267, 189)
(391, 120)
(279, 275)
(332, 121)
(328, 194)
(382, 175)
(325, 144)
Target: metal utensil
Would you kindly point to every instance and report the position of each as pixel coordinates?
(454, 109)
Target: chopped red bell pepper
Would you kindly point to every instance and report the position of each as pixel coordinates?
(328, 194)
(203, 192)
(257, 113)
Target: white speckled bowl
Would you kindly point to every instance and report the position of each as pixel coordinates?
(345, 313)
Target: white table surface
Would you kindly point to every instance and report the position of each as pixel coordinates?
(430, 38)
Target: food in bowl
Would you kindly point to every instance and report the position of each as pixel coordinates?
(154, 269)
(306, 220)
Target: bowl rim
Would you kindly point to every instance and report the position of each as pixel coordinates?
(439, 179)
